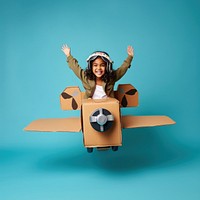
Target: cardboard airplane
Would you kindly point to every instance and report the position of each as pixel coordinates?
(100, 121)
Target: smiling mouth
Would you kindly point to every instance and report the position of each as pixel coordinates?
(98, 72)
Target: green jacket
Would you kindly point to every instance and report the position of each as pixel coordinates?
(90, 85)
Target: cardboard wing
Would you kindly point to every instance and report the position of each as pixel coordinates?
(145, 121)
(55, 125)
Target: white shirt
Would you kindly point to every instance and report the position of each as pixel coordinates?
(99, 93)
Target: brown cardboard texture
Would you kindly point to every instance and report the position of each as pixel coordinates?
(127, 95)
(100, 119)
(70, 98)
(95, 134)
(145, 121)
(55, 125)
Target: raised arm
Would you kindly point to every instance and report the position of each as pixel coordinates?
(126, 64)
(72, 62)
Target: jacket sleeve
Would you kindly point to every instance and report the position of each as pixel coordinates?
(123, 68)
(73, 64)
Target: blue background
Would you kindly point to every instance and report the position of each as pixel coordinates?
(153, 163)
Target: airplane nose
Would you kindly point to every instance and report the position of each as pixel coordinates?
(101, 120)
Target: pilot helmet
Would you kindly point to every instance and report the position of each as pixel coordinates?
(104, 56)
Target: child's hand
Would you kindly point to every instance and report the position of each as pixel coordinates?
(130, 50)
(66, 50)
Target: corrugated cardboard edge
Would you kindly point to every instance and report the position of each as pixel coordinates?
(145, 121)
(100, 145)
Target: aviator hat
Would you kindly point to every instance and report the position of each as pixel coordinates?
(104, 57)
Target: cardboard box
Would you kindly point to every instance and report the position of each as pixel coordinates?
(127, 95)
(70, 98)
(100, 119)
(106, 136)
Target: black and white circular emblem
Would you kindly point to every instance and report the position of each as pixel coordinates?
(101, 119)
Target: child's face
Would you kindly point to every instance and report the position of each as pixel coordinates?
(99, 67)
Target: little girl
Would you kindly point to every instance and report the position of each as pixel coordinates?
(99, 77)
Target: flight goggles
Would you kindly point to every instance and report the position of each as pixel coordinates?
(101, 54)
